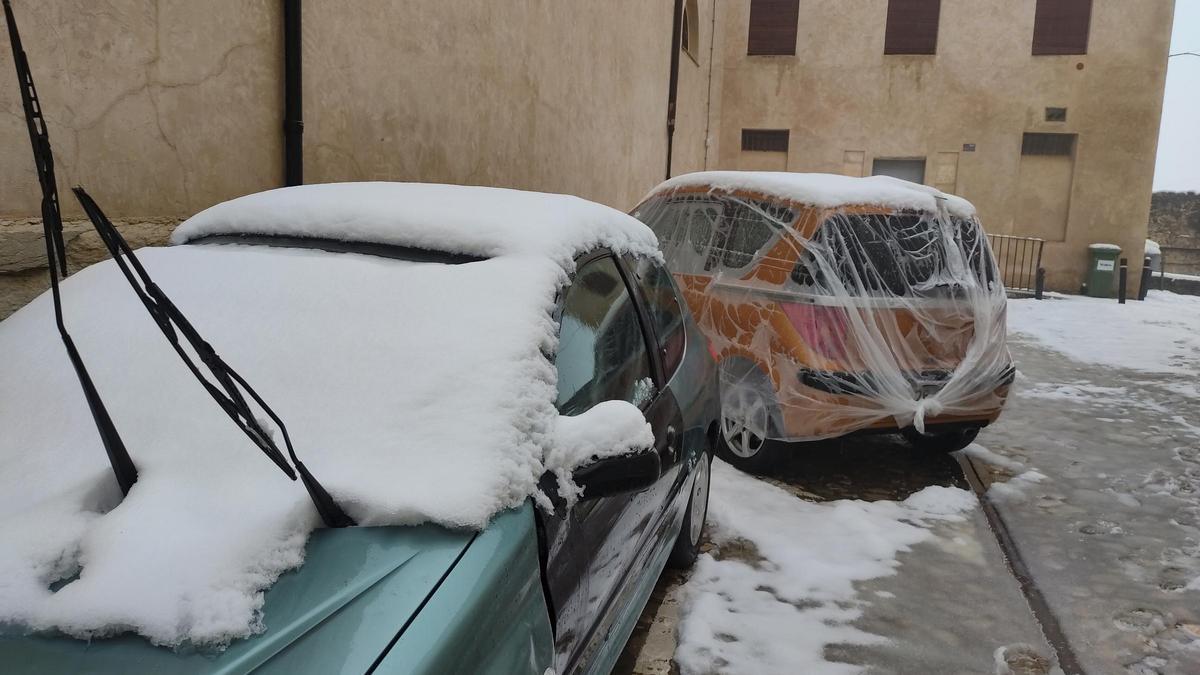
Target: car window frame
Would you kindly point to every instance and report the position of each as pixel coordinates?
(630, 261)
(639, 304)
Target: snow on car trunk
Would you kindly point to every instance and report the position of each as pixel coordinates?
(415, 392)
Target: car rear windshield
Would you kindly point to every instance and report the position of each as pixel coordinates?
(900, 254)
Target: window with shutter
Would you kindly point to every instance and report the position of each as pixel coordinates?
(773, 27)
(1061, 26)
(912, 27)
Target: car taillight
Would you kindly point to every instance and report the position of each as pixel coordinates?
(821, 327)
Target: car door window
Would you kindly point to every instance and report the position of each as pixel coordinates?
(747, 227)
(602, 351)
(666, 315)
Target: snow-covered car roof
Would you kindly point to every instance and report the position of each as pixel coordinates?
(480, 221)
(824, 190)
(416, 392)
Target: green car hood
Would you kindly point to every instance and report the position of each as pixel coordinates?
(337, 613)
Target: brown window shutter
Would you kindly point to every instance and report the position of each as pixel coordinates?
(1061, 26)
(912, 27)
(773, 27)
(765, 140)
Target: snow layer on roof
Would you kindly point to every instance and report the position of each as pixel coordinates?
(481, 221)
(825, 190)
(415, 392)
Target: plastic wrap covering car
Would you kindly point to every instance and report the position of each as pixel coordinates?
(828, 321)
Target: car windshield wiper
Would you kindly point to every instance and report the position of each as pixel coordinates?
(231, 395)
(232, 391)
(56, 256)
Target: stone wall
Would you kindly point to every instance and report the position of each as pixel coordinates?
(1175, 225)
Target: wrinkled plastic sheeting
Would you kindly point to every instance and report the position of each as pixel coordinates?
(827, 321)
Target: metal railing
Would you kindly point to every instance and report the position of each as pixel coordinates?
(1020, 262)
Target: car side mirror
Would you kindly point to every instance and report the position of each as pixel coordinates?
(605, 451)
(617, 475)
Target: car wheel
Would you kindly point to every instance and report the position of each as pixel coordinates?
(748, 414)
(687, 544)
(948, 441)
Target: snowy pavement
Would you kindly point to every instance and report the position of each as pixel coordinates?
(1108, 414)
(906, 578)
(860, 556)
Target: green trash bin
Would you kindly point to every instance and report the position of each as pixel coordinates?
(1102, 269)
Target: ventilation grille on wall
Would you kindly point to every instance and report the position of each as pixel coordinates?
(1048, 144)
(765, 140)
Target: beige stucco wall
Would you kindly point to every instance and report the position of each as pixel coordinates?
(841, 96)
(163, 108)
(535, 94)
(159, 109)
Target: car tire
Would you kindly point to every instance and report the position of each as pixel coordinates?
(687, 544)
(745, 388)
(948, 441)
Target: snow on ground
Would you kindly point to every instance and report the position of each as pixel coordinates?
(782, 586)
(1157, 335)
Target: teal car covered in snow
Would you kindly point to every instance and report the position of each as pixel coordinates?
(519, 541)
(505, 413)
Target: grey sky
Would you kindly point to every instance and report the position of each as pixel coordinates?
(1178, 164)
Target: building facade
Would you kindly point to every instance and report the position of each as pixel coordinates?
(162, 109)
(1044, 113)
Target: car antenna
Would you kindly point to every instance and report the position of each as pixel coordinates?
(56, 257)
(166, 315)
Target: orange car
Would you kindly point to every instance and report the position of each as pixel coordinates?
(837, 305)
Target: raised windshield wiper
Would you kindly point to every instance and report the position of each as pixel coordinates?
(233, 389)
(56, 256)
(229, 396)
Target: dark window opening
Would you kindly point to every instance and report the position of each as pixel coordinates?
(765, 140)
(689, 39)
(912, 27)
(1056, 114)
(1061, 27)
(773, 27)
(1048, 144)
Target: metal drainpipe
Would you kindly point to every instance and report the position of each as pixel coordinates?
(673, 86)
(293, 96)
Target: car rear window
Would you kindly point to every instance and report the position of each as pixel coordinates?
(901, 254)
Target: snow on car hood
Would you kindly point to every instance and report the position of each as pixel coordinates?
(415, 392)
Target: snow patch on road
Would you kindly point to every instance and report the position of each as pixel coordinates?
(1156, 335)
(782, 585)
